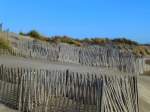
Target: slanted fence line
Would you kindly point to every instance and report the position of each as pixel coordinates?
(90, 56)
(98, 56)
(43, 90)
(39, 90)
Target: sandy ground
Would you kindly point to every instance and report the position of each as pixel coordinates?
(144, 93)
(144, 96)
(12, 61)
(143, 82)
(4, 108)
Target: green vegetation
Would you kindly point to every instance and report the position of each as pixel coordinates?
(4, 43)
(124, 41)
(64, 39)
(121, 43)
(141, 50)
(35, 35)
(95, 41)
(79, 42)
(32, 33)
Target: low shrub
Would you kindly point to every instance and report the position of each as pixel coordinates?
(4, 43)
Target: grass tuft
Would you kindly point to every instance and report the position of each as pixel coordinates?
(4, 43)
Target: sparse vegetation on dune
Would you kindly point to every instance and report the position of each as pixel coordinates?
(121, 43)
(64, 39)
(35, 35)
(85, 41)
(124, 41)
(141, 50)
(4, 43)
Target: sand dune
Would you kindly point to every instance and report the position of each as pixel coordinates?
(4, 108)
(144, 93)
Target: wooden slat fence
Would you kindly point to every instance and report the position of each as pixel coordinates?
(99, 57)
(90, 56)
(39, 90)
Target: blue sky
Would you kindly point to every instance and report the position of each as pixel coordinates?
(79, 18)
